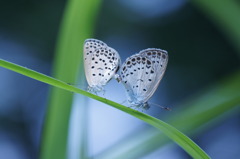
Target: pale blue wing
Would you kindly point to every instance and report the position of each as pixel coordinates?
(100, 63)
(142, 73)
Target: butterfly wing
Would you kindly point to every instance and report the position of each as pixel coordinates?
(159, 59)
(100, 63)
(142, 73)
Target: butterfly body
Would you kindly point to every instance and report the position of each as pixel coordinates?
(101, 62)
(141, 74)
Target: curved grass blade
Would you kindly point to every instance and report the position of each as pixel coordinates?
(77, 24)
(186, 143)
(226, 15)
(206, 109)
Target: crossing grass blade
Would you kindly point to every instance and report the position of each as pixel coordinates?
(77, 24)
(182, 140)
(204, 110)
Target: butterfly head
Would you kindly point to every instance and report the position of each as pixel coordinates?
(139, 104)
(145, 106)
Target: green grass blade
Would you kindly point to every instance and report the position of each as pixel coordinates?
(187, 144)
(226, 15)
(78, 24)
(204, 110)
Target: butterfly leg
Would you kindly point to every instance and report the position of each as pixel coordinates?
(118, 78)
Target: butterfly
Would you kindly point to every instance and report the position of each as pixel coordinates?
(101, 63)
(141, 74)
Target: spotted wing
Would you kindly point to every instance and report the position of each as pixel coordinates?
(141, 74)
(100, 62)
(159, 59)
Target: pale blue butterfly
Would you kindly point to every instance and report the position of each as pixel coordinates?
(101, 63)
(141, 74)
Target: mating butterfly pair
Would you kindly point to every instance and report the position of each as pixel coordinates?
(140, 73)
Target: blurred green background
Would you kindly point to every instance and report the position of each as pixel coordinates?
(202, 39)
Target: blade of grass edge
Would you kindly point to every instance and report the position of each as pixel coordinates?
(186, 143)
(210, 106)
(226, 15)
(77, 25)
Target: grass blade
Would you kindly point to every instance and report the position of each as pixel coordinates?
(204, 110)
(187, 144)
(226, 15)
(77, 25)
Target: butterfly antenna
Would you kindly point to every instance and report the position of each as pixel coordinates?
(165, 108)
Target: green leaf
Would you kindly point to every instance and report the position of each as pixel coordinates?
(187, 144)
(226, 16)
(206, 109)
(78, 24)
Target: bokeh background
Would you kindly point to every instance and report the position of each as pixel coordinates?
(202, 51)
